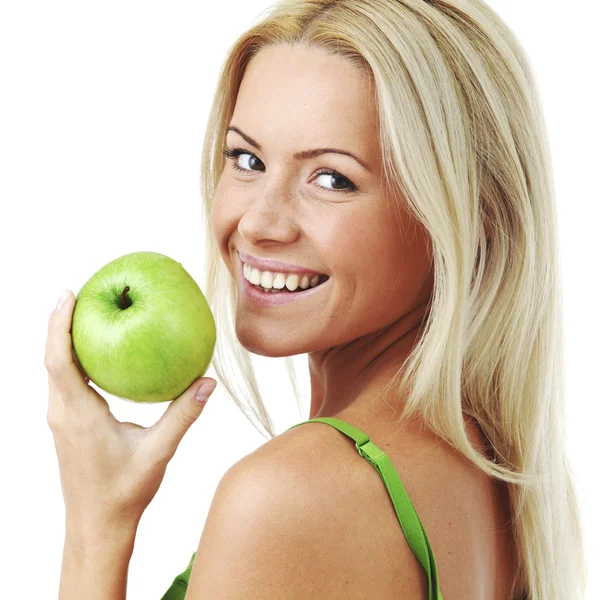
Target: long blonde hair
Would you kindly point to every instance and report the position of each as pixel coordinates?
(464, 146)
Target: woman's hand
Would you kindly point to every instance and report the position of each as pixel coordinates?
(109, 470)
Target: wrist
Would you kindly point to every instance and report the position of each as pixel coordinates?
(92, 536)
(96, 559)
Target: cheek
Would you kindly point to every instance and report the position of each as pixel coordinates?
(387, 258)
(223, 222)
(404, 264)
(227, 206)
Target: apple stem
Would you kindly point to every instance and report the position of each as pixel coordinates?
(125, 301)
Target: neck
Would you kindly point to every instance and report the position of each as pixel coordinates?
(352, 377)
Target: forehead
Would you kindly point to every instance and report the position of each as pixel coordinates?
(301, 93)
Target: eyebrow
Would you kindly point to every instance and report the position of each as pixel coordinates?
(304, 154)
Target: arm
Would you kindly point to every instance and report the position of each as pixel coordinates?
(107, 467)
(95, 563)
(250, 543)
(274, 531)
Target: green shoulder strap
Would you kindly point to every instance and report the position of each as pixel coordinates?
(409, 520)
(178, 588)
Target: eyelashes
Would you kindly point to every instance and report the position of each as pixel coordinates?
(233, 153)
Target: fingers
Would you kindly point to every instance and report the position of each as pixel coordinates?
(85, 377)
(165, 435)
(59, 359)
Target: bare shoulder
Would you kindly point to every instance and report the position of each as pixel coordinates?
(288, 520)
(305, 515)
(464, 512)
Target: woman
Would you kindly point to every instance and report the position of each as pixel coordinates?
(388, 157)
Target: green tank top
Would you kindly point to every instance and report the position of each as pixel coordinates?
(409, 520)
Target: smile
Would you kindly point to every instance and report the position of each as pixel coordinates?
(271, 282)
(279, 288)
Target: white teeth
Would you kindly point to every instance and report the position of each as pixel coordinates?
(266, 280)
(291, 283)
(254, 276)
(270, 280)
(279, 281)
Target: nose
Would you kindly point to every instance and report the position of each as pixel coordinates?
(267, 217)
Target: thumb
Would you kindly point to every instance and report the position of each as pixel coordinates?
(169, 430)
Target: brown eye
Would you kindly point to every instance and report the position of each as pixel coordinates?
(347, 185)
(337, 179)
(233, 153)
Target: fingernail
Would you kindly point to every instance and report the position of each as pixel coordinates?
(204, 391)
(62, 300)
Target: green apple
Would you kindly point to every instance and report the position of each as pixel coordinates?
(142, 329)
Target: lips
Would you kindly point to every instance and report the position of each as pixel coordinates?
(276, 266)
(321, 280)
(269, 299)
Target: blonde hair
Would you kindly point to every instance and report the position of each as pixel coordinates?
(464, 146)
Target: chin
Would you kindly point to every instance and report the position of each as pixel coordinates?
(256, 343)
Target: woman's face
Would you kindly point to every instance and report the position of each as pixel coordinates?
(289, 209)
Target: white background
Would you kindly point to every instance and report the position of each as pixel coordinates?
(103, 109)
